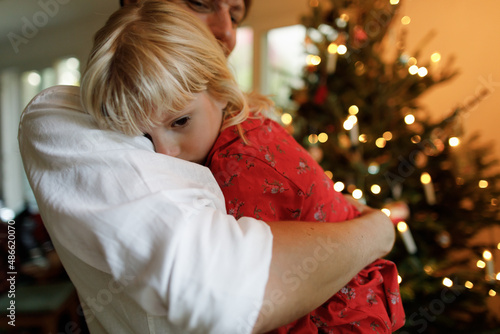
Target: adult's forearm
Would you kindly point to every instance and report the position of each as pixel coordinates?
(313, 261)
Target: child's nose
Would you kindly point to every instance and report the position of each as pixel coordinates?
(172, 150)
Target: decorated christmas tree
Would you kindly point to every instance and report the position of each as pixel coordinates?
(358, 114)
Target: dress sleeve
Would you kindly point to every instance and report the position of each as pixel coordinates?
(252, 188)
(121, 208)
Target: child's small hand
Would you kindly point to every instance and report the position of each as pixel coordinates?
(362, 208)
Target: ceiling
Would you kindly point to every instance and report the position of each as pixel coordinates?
(24, 18)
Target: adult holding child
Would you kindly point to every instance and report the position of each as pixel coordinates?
(147, 242)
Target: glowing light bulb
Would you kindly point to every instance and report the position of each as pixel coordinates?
(425, 178)
(348, 124)
(409, 119)
(454, 141)
(405, 20)
(357, 193)
(402, 226)
(483, 184)
(339, 186)
(332, 48)
(380, 142)
(375, 189)
(447, 282)
(435, 57)
(322, 137)
(422, 72)
(353, 110)
(387, 135)
(342, 49)
(313, 60)
(286, 118)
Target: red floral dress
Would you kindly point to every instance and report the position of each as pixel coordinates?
(273, 178)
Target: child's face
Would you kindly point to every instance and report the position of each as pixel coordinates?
(191, 133)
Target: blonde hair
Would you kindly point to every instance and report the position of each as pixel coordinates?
(150, 58)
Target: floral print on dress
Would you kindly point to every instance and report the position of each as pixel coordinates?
(272, 178)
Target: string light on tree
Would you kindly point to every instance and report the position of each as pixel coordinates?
(447, 282)
(430, 195)
(339, 186)
(409, 119)
(488, 260)
(454, 141)
(407, 237)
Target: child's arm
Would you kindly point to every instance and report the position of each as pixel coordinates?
(336, 252)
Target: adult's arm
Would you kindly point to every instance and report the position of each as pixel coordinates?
(311, 262)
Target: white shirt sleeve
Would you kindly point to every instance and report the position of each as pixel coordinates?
(123, 209)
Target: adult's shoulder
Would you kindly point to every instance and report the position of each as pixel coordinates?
(56, 97)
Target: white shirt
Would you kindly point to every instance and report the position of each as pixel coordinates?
(144, 237)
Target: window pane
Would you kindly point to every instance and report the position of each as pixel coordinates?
(286, 60)
(240, 60)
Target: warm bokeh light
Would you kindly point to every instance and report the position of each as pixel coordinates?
(447, 282)
(313, 138)
(386, 211)
(322, 137)
(348, 125)
(435, 57)
(425, 178)
(387, 135)
(375, 189)
(353, 110)
(329, 174)
(339, 186)
(413, 69)
(394, 2)
(409, 119)
(405, 20)
(480, 264)
(412, 61)
(363, 138)
(380, 142)
(416, 139)
(454, 141)
(313, 60)
(332, 48)
(483, 184)
(487, 255)
(400, 279)
(342, 49)
(492, 293)
(469, 285)
(357, 193)
(402, 227)
(286, 118)
(422, 72)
